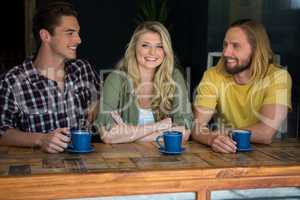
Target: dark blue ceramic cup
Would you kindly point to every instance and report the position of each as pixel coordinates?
(242, 138)
(172, 141)
(80, 140)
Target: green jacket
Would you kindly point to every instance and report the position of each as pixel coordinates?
(118, 95)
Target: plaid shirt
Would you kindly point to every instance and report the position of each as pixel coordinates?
(31, 102)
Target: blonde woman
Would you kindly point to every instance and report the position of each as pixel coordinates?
(146, 95)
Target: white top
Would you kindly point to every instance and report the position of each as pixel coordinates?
(145, 116)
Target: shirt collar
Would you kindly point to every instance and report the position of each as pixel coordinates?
(31, 72)
(34, 75)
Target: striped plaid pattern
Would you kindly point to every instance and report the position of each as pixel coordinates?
(32, 103)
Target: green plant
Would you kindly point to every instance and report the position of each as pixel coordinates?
(153, 10)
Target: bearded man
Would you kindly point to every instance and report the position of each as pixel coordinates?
(246, 89)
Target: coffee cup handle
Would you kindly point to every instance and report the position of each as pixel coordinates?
(70, 146)
(232, 135)
(157, 141)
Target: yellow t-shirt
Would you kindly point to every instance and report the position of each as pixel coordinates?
(239, 105)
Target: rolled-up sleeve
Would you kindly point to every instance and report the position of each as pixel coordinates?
(8, 108)
(109, 101)
(278, 89)
(207, 92)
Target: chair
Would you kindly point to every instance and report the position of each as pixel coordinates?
(213, 58)
(293, 121)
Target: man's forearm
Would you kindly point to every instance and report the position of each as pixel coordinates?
(272, 117)
(92, 112)
(204, 135)
(262, 133)
(15, 137)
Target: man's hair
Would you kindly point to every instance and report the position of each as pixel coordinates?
(262, 54)
(48, 17)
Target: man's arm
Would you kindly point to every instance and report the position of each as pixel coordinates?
(263, 132)
(200, 131)
(93, 111)
(271, 118)
(219, 141)
(205, 104)
(274, 109)
(53, 142)
(15, 137)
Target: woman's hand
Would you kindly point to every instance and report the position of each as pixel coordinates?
(164, 124)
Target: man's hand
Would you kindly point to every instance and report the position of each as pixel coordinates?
(223, 144)
(56, 141)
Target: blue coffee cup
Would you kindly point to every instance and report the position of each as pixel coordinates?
(80, 140)
(242, 138)
(172, 141)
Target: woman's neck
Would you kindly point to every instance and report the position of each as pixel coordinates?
(147, 75)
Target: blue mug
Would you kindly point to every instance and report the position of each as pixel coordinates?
(80, 140)
(172, 141)
(242, 139)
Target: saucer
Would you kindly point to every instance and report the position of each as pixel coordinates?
(244, 150)
(80, 151)
(161, 150)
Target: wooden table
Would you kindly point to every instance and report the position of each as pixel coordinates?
(139, 168)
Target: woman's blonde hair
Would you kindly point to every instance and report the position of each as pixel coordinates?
(262, 54)
(164, 85)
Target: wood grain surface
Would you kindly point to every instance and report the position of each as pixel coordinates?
(139, 168)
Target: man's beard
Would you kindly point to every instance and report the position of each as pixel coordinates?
(238, 68)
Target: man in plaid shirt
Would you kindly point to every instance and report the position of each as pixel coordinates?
(51, 92)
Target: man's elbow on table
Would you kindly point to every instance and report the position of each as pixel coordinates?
(263, 136)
